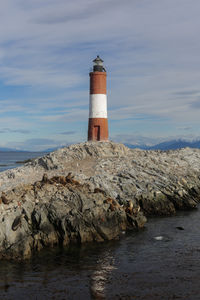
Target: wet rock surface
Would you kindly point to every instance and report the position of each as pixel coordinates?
(92, 192)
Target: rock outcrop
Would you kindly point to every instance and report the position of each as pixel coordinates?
(92, 192)
(60, 210)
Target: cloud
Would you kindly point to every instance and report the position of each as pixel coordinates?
(36, 144)
(71, 115)
(68, 132)
(195, 104)
(187, 93)
(185, 128)
(77, 12)
(40, 142)
(151, 53)
(8, 130)
(36, 76)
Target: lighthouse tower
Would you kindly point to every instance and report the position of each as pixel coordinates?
(98, 122)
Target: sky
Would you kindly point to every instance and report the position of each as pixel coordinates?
(151, 51)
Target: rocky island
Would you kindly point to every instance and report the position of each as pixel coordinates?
(92, 191)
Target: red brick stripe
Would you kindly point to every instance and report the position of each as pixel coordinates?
(98, 83)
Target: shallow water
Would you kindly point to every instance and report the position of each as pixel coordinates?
(138, 266)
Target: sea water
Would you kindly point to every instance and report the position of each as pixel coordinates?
(10, 160)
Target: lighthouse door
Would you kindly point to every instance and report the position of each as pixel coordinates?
(97, 133)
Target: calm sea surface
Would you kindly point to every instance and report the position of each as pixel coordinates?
(8, 160)
(159, 262)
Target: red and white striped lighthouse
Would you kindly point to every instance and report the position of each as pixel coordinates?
(98, 121)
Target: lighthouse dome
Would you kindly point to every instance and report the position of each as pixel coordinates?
(98, 65)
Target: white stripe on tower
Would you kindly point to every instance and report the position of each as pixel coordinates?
(98, 106)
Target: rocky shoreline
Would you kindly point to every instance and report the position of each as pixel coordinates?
(92, 192)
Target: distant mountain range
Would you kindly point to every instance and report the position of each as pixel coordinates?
(168, 145)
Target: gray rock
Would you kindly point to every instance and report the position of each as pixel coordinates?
(109, 189)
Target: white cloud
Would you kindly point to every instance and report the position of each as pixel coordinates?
(150, 48)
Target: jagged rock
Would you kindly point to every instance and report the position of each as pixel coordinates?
(92, 192)
(66, 213)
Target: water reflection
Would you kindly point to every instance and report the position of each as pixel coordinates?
(100, 277)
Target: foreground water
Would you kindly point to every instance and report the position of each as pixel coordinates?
(160, 262)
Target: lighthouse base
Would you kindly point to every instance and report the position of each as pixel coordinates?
(98, 129)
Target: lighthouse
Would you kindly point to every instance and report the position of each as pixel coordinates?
(98, 120)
